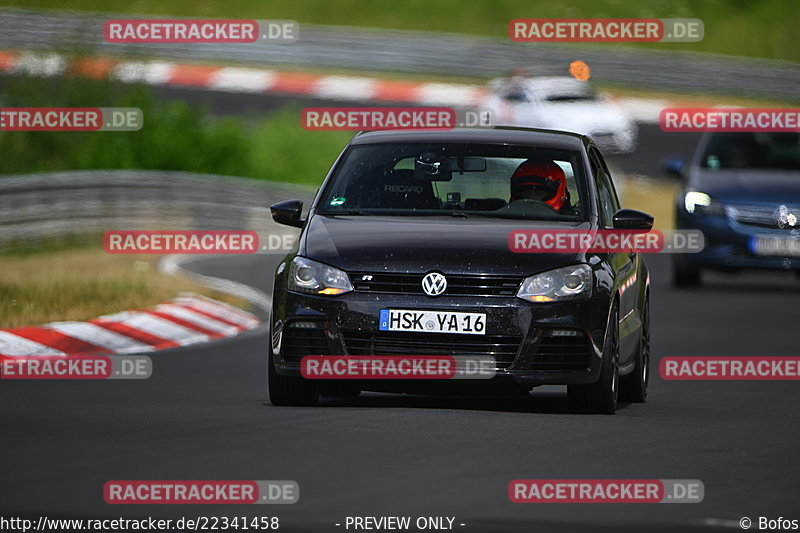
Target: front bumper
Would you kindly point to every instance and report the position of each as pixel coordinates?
(728, 244)
(532, 344)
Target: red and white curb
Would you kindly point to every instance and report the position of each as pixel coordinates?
(188, 319)
(260, 80)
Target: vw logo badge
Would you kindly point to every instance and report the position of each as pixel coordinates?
(784, 217)
(434, 284)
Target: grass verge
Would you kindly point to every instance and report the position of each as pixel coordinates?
(49, 283)
(175, 136)
(656, 197)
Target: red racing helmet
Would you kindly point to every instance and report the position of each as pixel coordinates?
(542, 178)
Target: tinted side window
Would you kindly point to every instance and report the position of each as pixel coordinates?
(609, 180)
(607, 197)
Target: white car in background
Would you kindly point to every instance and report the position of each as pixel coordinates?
(561, 103)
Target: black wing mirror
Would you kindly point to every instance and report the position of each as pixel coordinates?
(288, 213)
(632, 219)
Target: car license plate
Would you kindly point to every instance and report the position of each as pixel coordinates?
(432, 321)
(775, 246)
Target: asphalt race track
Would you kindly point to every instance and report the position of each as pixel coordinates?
(204, 415)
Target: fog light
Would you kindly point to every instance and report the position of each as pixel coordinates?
(305, 325)
(564, 333)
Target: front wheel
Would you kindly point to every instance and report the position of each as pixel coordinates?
(633, 387)
(601, 396)
(289, 390)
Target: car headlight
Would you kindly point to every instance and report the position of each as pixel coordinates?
(701, 203)
(567, 283)
(312, 277)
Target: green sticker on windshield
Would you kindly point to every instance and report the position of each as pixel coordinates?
(339, 200)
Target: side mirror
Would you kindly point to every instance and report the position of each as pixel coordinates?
(632, 220)
(288, 213)
(675, 166)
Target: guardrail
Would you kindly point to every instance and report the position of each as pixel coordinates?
(421, 52)
(50, 205)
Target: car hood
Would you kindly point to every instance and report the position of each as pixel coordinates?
(749, 186)
(412, 244)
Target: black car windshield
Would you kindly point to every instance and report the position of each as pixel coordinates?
(458, 179)
(776, 151)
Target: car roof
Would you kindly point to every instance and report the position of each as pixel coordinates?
(559, 85)
(557, 81)
(549, 85)
(493, 135)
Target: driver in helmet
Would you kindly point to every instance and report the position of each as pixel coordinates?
(540, 180)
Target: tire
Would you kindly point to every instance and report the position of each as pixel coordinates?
(289, 390)
(601, 397)
(633, 387)
(684, 275)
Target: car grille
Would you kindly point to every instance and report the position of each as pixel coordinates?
(558, 353)
(456, 285)
(762, 216)
(503, 348)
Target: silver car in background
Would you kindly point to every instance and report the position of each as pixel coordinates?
(562, 103)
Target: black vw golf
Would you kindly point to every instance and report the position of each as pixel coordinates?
(405, 251)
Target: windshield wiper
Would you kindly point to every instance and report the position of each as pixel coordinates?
(347, 212)
(506, 216)
(464, 214)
